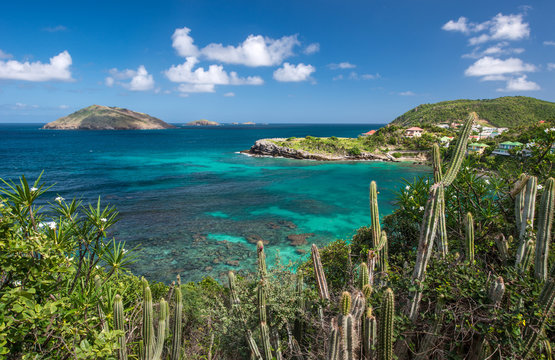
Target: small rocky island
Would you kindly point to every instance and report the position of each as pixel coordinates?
(202, 122)
(98, 117)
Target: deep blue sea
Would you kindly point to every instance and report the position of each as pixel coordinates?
(193, 204)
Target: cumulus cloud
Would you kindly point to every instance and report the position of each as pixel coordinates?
(460, 25)
(312, 48)
(57, 69)
(256, 50)
(500, 27)
(342, 65)
(4, 55)
(549, 43)
(134, 80)
(501, 48)
(293, 73)
(229, 94)
(204, 80)
(492, 66)
(520, 84)
(183, 43)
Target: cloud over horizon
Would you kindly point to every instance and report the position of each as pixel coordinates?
(139, 80)
(57, 69)
(294, 73)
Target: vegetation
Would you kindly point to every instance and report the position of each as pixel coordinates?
(98, 117)
(202, 122)
(508, 111)
(463, 269)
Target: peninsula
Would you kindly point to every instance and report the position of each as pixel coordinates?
(98, 117)
(202, 122)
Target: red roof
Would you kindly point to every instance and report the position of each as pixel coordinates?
(414, 128)
(371, 132)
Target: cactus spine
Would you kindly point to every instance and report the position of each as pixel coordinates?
(385, 327)
(469, 238)
(442, 242)
(363, 275)
(349, 338)
(345, 303)
(319, 274)
(119, 324)
(177, 324)
(264, 330)
(545, 223)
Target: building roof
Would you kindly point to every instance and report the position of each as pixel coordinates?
(371, 132)
(415, 128)
(478, 145)
(515, 143)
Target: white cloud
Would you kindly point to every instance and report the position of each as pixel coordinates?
(139, 80)
(56, 69)
(4, 55)
(494, 78)
(55, 28)
(493, 66)
(229, 94)
(196, 88)
(294, 73)
(459, 25)
(370, 76)
(312, 48)
(215, 75)
(520, 84)
(183, 43)
(500, 48)
(549, 43)
(338, 77)
(550, 66)
(407, 93)
(256, 50)
(342, 65)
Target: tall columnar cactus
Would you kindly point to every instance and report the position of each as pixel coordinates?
(385, 326)
(235, 303)
(345, 303)
(382, 253)
(358, 307)
(528, 210)
(148, 326)
(442, 242)
(334, 349)
(369, 334)
(527, 256)
(518, 191)
(161, 334)
(502, 247)
(460, 150)
(177, 324)
(367, 292)
(363, 275)
(119, 324)
(349, 337)
(319, 274)
(372, 258)
(374, 215)
(545, 223)
(469, 238)
(496, 291)
(262, 315)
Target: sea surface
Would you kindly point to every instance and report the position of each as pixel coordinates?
(193, 204)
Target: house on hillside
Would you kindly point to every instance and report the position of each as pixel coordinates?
(369, 133)
(443, 126)
(413, 132)
(504, 147)
(476, 148)
(446, 140)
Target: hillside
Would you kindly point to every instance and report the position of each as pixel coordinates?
(508, 111)
(98, 117)
(202, 122)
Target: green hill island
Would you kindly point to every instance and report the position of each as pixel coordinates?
(202, 122)
(98, 117)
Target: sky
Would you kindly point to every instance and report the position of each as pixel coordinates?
(269, 61)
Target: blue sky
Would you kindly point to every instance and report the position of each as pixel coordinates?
(263, 61)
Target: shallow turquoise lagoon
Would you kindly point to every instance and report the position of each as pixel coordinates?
(194, 205)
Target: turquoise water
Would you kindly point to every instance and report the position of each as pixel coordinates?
(194, 205)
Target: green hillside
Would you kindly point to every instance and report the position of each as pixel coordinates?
(508, 111)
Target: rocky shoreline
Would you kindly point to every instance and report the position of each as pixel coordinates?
(267, 147)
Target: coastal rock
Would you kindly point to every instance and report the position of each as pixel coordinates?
(202, 122)
(254, 239)
(298, 239)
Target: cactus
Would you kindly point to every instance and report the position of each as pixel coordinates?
(264, 330)
(177, 323)
(496, 291)
(518, 191)
(358, 307)
(367, 292)
(345, 303)
(161, 335)
(262, 273)
(372, 258)
(546, 302)
(374, 215)
(385, 326)
(334, 342)
(526, 260)
(442, 242)
(349, 338)
(119, 324)
(235, 303)
(382, 253)
(363, 275)
(469, 238)
(502, 247)
(319, 274)
(460, 150)
(148, 326)
(369, 334)
(527, 221)
(545, 223)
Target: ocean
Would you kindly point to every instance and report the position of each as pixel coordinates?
(193, 204)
